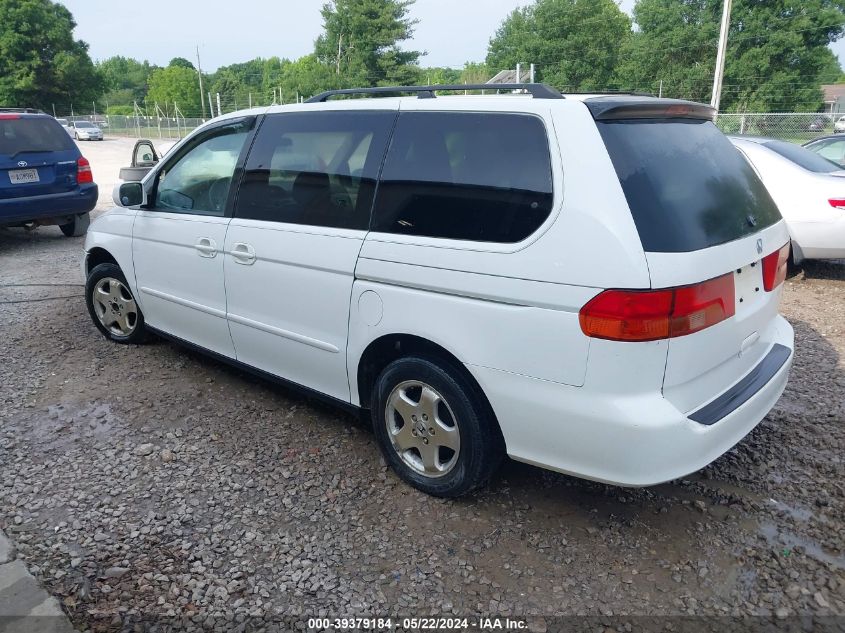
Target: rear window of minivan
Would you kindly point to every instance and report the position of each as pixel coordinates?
(32, 134)
(686, 184)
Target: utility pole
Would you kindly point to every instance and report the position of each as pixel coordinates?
(202, 92)
(532, 73)
(720, 56)
(219, 111)
(210, 105)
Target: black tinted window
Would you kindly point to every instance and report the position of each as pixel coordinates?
(32, 134)
(686, 184)
(316, 168)
(802, 157)
(480, 177)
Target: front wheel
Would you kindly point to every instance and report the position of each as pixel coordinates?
(112, 306)
(434, 429)
(77, 227)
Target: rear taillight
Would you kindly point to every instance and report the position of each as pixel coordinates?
(83, 171)
(774, 268)
(651, 315)
(837, 203)
(9, 117)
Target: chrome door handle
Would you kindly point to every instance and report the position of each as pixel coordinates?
(206, 247)
(243, 253)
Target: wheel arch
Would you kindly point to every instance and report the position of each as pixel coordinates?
(96, 256)
(384, 350)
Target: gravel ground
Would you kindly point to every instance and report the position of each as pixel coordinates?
(151, 482)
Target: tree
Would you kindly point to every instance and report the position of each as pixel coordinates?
(831, 72)
(180, 62)
(777, 51)
(575, 44)
(360, 42)
(40, 62)
(175, 85)
(126, 79)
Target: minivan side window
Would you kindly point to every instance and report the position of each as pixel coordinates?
(315, 168)
(484, 177)
(198, 181)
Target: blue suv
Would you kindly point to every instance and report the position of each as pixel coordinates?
(44, 179)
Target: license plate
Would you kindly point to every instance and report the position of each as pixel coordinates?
(23, 176)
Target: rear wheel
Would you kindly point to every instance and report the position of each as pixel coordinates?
(77, 226)
(112, 306)
(433, 428)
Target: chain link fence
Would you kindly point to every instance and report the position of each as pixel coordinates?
(797, 127)
(794, 127)
(141, 126)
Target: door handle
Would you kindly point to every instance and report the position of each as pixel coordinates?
(243, 253)
(206, 247)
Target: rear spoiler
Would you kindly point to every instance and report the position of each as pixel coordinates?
(617, 108)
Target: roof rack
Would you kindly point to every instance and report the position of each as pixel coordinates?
(22, 110)
(538, 91)
(612, 93)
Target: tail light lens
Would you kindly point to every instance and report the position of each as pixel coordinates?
(774, 268)
(837, 203)
(651, 315)
(83, 171)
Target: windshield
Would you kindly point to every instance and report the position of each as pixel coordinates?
(803, 157)
(687, 186)
(84, 124)
(32, 135)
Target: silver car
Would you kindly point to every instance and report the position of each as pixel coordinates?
(86, 131)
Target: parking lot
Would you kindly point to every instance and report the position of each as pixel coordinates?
(151, 481)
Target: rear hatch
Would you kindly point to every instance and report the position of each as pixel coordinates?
(706, 222)
(37, 157)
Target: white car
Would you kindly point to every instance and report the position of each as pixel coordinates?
(85, 131)
(809, 191)
(555, 279)
(839, 126)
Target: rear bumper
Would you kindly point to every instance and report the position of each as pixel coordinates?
(18, 210)
(630, 439)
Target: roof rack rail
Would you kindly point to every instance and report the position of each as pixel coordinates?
(22, 110)
(612, 93)
(538, 91)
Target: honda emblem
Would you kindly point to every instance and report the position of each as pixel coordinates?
(760, 246)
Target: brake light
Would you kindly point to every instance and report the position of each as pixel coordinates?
(774, 268)
(84, 174)
(651, 315)
(837, 203)
(9, 117)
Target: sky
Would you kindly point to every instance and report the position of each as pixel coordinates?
(450, 31)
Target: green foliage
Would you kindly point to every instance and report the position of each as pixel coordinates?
(126, 79)
(40, 62)
(575, 44)
(175, 85)
(831, 72)
(122, 110)
(360, 42)
(181, 62)
(777, 51)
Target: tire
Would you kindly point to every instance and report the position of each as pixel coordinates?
(112, 307)
(76, 136)
(462, 443)
(76, 227)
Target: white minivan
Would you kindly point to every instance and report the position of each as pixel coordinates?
(585, 283)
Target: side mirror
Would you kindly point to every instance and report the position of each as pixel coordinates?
(130, 194)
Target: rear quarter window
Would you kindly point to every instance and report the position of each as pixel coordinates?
(803, 157)
(479, 177)
(687, 186)
(32, 134)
